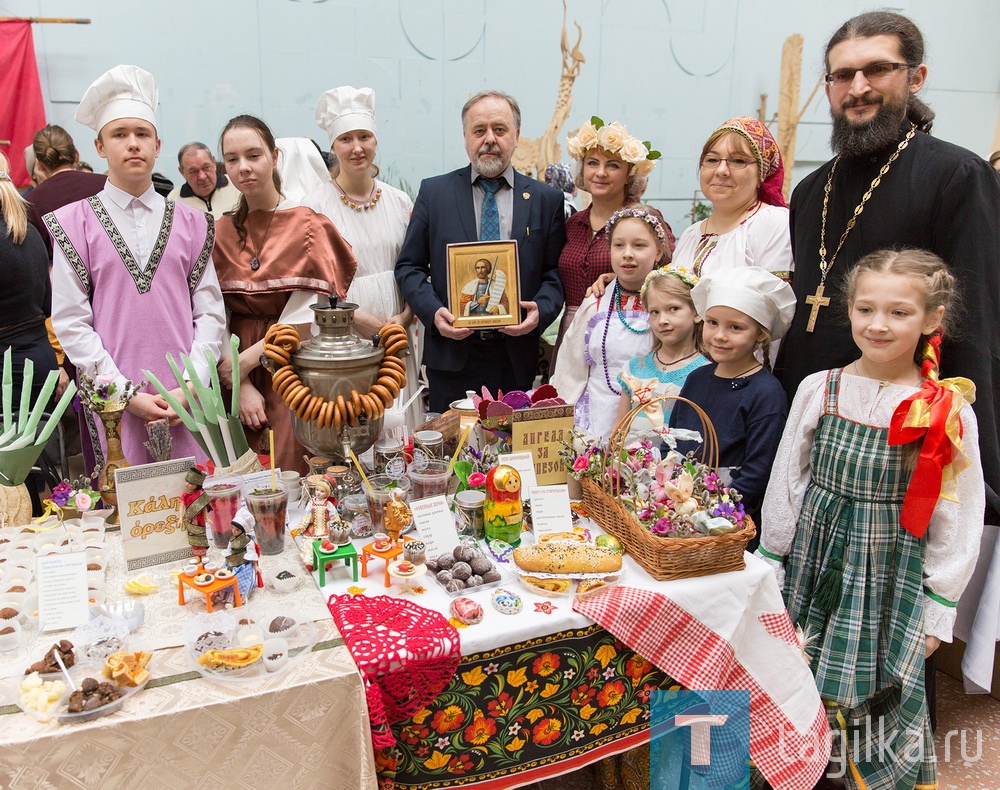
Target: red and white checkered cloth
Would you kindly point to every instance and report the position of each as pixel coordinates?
(730, 632)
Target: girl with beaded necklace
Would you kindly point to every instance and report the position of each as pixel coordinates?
(743, 309)
(609, 330)
(876, 505)
(677, 350)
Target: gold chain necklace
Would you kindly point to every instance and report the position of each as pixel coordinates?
(817, 300)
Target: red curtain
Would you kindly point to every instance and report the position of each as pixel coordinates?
(22, 112)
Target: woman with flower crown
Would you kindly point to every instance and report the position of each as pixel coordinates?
(613, 167)
(609, 330)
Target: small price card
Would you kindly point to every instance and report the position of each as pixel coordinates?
(435, 525)
(550, 510)
(261, 479)
(524, 463)
(62, 591)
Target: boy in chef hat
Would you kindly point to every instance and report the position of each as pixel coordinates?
(133, 277)
(743, 309)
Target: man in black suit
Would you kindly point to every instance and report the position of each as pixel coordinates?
(483, 201)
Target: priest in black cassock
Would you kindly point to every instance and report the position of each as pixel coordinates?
(914, 191)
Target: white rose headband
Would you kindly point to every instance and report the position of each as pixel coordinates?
(615, 139)
(686, 276)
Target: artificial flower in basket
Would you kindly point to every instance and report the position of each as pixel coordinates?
(582, 455)
(680, 497)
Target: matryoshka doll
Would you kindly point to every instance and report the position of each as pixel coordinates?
(502, 509)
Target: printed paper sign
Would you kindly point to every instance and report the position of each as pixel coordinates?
(62, 591)
(435, 525)
(150, 512)
(550, 510)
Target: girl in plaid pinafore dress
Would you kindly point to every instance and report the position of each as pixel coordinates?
(874, 592)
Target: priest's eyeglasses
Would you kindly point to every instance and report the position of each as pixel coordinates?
(873, 73)
(711, 162)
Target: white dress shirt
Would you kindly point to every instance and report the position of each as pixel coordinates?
(138, 219)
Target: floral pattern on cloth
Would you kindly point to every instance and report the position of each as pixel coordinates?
(405, 653)
(524, 707)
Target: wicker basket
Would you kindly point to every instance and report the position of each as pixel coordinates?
(665, 558)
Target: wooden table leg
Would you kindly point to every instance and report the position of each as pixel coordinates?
(236, 591)
(180, 592)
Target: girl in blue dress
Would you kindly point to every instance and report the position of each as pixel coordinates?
(676, 352)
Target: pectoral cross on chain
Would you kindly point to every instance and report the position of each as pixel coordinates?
(817, 300)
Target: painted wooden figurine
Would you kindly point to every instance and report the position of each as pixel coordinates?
(502, 510)
(193, 507)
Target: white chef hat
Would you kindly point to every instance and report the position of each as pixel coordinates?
(123, 92)
(245, 519)
(344, 109)
(756, 292)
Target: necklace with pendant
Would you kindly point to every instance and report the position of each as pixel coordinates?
(667, 363)
(817, 300)
(255, 261)
(735, 380)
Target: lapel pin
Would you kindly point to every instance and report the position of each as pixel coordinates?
(526, 195)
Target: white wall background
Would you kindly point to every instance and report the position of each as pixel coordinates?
(672, 70)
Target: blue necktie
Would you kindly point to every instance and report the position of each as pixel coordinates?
(489, 225)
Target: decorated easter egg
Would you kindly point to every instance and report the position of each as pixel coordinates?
(467, 611)
(610, 542)
(506, 602)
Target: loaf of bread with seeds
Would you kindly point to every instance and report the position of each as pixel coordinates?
(570, 558)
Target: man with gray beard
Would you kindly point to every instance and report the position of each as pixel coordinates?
(483, 201)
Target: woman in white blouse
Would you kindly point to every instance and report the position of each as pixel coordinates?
(370, 214)
(741, 175)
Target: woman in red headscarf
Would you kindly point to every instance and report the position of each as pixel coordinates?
(741, 175)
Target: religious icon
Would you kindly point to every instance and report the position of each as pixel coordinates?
(483, 284)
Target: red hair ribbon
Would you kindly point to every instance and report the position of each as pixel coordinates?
(934, 414)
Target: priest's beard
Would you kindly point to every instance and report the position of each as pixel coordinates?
(858, 139)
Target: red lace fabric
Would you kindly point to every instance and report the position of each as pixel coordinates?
(407, 655)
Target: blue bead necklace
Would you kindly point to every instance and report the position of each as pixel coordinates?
(617, 300)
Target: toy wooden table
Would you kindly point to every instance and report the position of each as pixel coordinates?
(208, 590)
(388, 554)
(347, 553)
